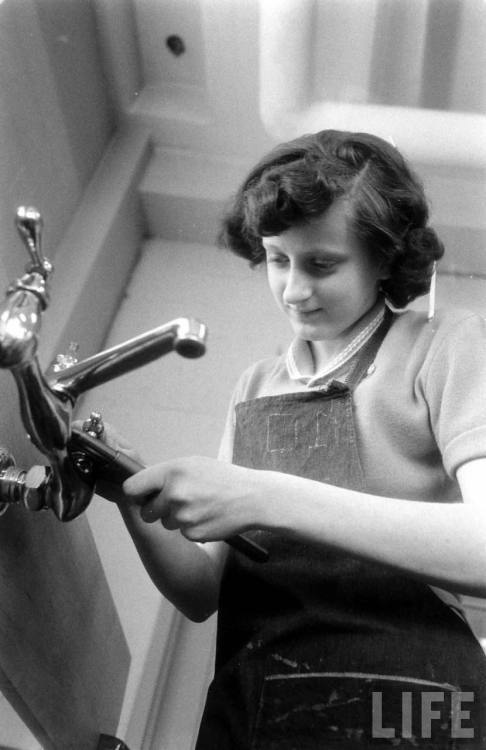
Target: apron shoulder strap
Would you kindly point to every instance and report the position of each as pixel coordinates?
(368, 353)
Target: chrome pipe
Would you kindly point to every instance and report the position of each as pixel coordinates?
(186, 336)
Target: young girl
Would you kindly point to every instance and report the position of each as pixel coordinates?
(358, 460)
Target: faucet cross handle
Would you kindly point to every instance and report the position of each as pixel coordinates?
(29, 225)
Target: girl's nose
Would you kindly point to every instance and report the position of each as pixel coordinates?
(298, 288)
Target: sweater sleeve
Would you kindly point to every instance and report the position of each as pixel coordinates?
(455, 389)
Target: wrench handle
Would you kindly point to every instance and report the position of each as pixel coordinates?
(115, 466)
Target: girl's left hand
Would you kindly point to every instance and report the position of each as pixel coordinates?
(206, 499)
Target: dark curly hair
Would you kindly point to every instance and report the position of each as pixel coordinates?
(299, 180)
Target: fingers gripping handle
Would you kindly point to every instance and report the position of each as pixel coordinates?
(114, 466)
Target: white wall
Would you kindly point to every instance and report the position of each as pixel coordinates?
(176, 407)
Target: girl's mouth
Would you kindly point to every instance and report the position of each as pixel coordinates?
(305, 314)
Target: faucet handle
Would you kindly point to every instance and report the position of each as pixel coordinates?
(29, 225)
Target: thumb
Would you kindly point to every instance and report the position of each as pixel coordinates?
(145, 482)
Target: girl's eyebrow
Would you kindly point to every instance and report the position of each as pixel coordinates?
(319, 252)
(273, 249)
(316, 249)
(328, 251)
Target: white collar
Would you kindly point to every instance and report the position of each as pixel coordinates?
(299, 356)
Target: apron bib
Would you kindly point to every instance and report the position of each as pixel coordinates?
(316, 648)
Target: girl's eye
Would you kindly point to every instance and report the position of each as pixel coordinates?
(323, 265)
(278, 260)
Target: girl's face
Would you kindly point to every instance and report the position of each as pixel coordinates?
(321, 276)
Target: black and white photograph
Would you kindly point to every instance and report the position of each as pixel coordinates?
(243, 375)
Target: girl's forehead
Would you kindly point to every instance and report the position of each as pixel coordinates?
(330, 228)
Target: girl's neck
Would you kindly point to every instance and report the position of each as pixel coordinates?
(326, 350)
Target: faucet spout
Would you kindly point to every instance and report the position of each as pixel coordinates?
(186, 336)
(47, 400)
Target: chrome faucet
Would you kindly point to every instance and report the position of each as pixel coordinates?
(67, 484)
(47, 400)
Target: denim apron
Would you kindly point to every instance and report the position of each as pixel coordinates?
(317, 649)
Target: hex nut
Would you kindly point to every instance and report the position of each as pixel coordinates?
(36, 482)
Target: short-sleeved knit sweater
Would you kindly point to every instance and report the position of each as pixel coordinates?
(421, 411)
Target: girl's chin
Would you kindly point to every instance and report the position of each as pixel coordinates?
(316, 333)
